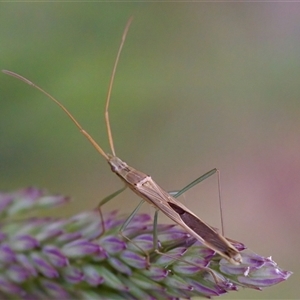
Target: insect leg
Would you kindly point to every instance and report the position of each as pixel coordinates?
(176, 194)
(126, 223)
(105, 200)
(195, 182)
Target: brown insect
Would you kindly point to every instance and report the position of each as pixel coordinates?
(145, 187)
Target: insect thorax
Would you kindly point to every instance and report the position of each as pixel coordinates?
(130, 175)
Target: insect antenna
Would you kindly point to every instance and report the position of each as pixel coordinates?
(86, 134)
(78, 125)
(109, 133)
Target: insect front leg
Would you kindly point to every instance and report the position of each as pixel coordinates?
(102, 202)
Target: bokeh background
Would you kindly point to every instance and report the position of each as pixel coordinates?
(198, 86)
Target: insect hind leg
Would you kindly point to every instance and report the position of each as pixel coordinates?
(208, 174)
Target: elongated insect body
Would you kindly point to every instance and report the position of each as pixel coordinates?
(143, 185)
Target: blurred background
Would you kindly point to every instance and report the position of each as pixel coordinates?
(198, 86)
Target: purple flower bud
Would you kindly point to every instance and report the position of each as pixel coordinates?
(111, 220)
(17, 273)
(144, 241)
(148, 284)
(68, 237)
(43, 266)
(92, 275)
(72, 274)
(9, 288)
(183, 268)
(5, 201)
(47, 234)
(54, 290)
(55, 256)
(134, 259)
(28, 196)
(23, 243)
(139, 220)
(84, 217)
(119, 266)
(27, 227)
(55, 224)
(112, 244)
(110, 279)
(172, 236)
(155, 273)
(50, 201)
(7, 255)
(171, 256)
(206, 291)
(101, 255)
(27, 263)
(80, 248)
(264, 275)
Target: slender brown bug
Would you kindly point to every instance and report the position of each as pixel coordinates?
(146, 188)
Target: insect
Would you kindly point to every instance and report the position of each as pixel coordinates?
(145, 187)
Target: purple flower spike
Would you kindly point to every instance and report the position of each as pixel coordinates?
(74, 258)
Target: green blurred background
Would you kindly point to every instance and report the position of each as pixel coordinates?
(198, 86)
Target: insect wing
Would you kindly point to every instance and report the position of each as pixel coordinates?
(160, 199)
